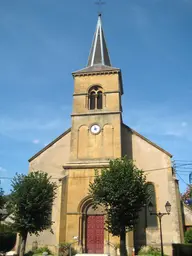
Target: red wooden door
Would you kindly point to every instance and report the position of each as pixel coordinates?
(95, 234)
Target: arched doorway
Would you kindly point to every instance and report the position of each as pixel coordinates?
(92, 228)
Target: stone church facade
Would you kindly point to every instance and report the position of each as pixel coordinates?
(98, 134)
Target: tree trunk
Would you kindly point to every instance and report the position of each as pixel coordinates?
(18, 244)
(123, 250)
(23, 240)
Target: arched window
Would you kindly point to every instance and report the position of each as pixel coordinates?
(99, 100)
(95, 98)
(92, 100)
(151, 220)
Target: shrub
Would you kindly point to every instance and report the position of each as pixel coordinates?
(6, 227)
(8, 241)
(64, 249)
(40, 250)
(29, 253)
(7, 237)
(150, 251)
(188, 236)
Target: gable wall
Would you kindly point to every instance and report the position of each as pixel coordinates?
(149, 158)
(51, 161)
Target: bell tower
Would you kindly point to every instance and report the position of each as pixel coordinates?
(95, 138)
(96, 115)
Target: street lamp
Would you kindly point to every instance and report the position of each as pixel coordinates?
(160, 215)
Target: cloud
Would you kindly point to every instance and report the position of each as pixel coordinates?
(36, 141)
(184, 124)
(2, 170)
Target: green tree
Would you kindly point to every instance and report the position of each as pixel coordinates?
(31, 200)
(1, 198)
(7, 204)
(121, 189)
(5, 209)
(188, 236)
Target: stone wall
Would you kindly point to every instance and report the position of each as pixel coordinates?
(51, 161)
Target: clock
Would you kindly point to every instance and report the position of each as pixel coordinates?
(95, 129)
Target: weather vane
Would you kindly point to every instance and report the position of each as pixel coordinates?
(99, 3)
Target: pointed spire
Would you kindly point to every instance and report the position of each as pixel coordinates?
(99, 54)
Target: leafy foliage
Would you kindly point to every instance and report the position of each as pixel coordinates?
(121, 188)
(29, 253)
(7, 237)
(5, 207)
(188, 236)
(6, 228)
(1, 198)
(31, 203)
(64, 249)
(40, 250)
(150, 251)
(32, 198)
(8, 241)
(7, 204)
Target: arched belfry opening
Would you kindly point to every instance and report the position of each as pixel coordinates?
(91, 227)
(95, 97)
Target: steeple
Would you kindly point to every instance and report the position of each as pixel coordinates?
(99, 60)
(99, 53)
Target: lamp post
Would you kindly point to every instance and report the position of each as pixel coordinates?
(160, 215)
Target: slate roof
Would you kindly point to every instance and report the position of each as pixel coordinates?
(99, 52)
(97, 68)
(99, 59)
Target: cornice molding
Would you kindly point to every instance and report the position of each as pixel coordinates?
(90, 113)
(86, 165)
(95, 73)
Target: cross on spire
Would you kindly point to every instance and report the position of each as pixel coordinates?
(99, 3)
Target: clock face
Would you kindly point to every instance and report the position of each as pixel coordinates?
(95, 129)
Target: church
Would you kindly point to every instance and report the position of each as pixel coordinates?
(98, 134)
